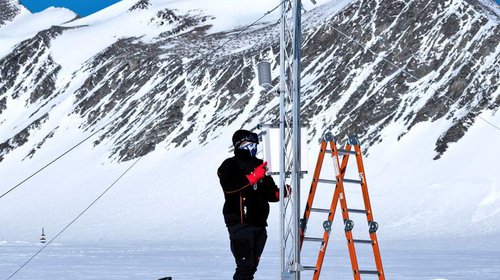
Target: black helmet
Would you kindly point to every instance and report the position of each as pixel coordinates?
(242, 135)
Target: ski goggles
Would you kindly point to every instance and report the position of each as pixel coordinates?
(252, 137)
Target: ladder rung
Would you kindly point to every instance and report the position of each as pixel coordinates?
(317, 239)
(320, 210)
(363, 241)
(345, 152)
(327, 181)
(359, 211)
(369, 272)
(309, 267)
(342, 152)
(352, 181)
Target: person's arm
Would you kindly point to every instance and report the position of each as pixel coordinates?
(234, 180)
(272, 191)
(270, 188)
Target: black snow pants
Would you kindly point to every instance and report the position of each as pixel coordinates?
(247, 245)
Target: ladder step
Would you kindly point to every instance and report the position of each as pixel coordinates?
(345, 152)
(309, 267)
(320, 210)
(342, 152)
(369, 272)
(359, 211)
(363, 241)
(327, 181)
(317, 239)
(352, 181)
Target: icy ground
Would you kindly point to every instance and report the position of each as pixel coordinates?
(440, 259)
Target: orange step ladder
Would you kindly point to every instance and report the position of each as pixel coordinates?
(340, 165)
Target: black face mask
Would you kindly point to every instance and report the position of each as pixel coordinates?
(250, 147)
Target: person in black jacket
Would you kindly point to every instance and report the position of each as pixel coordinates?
(247, 191)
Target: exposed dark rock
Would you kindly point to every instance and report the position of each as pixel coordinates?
(32, 57)
(21, 137)
(454, 134)
(39, 145)
(3, 104)
(140, 5)
(165, 17)
(8, 10)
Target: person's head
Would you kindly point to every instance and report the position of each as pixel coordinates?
(246, 140)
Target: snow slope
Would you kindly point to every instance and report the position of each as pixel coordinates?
(26, 24)
(173, 192)
(106, 24)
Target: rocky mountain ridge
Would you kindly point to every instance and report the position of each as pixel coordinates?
(372, 67)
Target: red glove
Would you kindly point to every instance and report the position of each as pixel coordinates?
(258, 173)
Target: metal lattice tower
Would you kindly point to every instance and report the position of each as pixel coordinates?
(290, 171)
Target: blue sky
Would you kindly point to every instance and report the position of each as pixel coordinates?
(81, 7)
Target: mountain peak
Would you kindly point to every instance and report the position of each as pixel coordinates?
(140, 5)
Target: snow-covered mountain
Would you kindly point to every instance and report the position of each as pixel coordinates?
(169, 81)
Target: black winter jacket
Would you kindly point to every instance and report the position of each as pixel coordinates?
(245, 203)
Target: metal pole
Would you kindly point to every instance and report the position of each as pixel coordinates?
(290, 122)
(296, 132)
(282, 92)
